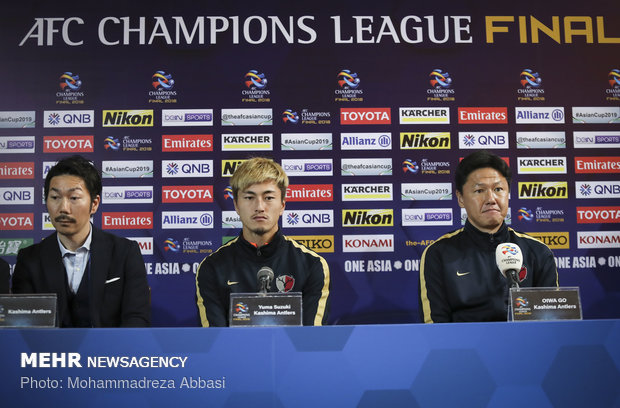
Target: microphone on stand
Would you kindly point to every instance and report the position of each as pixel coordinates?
(509, 259)
(265, 276)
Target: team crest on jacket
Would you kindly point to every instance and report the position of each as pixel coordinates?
(285, 283)
(522, 273)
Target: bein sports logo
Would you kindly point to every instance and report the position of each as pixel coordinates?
(410, 166)
(163, 81)
(440, 79)
(348, 79)
(530, 79)
(254, 80)
(70, 82)
(290, 116)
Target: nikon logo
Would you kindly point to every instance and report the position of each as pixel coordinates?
(551, 189)
(367, 218)
(229, 167)
(425, 140)
(554, 240)
(128, 118)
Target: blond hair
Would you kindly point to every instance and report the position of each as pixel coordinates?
(258, 170)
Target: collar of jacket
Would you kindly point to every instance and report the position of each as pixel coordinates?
(266, 250)
(486, 240)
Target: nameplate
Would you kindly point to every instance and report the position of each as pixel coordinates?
(35, 310)
(561, 303)
(265, 309)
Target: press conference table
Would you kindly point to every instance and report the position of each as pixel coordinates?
(534, 364)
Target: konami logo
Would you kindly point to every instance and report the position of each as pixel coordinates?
(598, 215)
(127, 220)
(68, 144)
(310, 192)
(365, 116)
(598, 239)
(16, 221)
(145, 244)
(187, 143)
(483, 115)
(368, 243)
(16, 170)
(187, 194)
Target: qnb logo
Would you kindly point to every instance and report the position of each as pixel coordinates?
(290, 116)
(348, 79)
(172, 168)
(585, 190)
(162, 80)
(70, 82)
(53, 119)
(530, 79)
(292, 219)
(440, 79)
(254, 80)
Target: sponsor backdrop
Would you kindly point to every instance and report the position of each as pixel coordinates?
(368, 108)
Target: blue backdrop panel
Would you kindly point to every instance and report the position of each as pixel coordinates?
(188, 56)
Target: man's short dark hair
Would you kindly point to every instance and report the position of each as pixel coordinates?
(76, 166)
(479, 160)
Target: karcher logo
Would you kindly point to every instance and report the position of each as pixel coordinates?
(425, 140)
(554, 240)
(229, 167)
(128, 118)
(367, 218)
(550, 189)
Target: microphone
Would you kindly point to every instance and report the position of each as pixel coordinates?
(265, 276)
(509, 258)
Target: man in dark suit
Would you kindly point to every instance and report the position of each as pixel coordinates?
(5, 276)
(99, 278)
